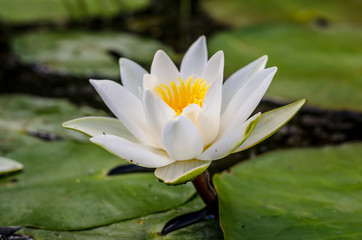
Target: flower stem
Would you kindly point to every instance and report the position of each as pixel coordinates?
(207, 192)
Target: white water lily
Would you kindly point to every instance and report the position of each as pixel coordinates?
(179, 121)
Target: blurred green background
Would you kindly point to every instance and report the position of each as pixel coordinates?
(50, 48)
(316, 45)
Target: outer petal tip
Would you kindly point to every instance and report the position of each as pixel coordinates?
(201, 38)
(159, 51)
(221, 54)
(68, 124)
(96, 82)
(122, 59)
(273, 69)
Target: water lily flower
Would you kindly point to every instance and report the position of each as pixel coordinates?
(179, 121)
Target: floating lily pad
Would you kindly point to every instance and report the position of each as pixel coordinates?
(42, 117)
(148, 227)
(8, 165)
(86, 202)
(85, 54)
(323, 66)
(294, 194)
(25, 11)
(246, 12)
(64, 183)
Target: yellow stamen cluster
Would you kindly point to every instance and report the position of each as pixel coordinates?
(180, 96)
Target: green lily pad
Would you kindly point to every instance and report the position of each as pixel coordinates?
(294, 194)
(247, 12)
(85, 54)
(22, 114)
(323, 66)
(25, 11)
(148, 227)
(8, 165)
(64, 184)
(81, 203)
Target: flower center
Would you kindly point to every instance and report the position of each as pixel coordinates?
(180, 96)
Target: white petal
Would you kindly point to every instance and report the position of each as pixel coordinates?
(245, 100)
(239, 78)
(135, 153)
(209, 116)
(230, 142)
(94, 126)
(195, 59)
(140, 93)
(270, 122)
(127, 108)
(131, 75)
(150, 82)
(8, 165)
(214, 67)
(180, 172)
(158, 114)
(181, 139)
(163, 68)
(191, 112)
